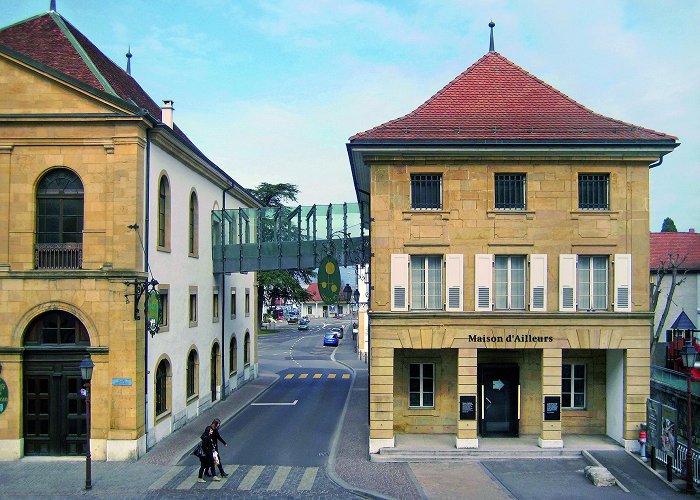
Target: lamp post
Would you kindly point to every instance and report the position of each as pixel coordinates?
(689, 356)
(86, 366)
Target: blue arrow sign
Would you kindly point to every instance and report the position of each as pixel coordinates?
(498, 385)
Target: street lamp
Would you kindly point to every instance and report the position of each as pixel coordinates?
(86, 366)
(689, 356)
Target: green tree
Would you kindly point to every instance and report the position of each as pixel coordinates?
(668, 226)
(282, 285)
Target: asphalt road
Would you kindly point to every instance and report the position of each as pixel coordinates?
(293, 422)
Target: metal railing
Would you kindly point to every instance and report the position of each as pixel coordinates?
(678, 464)
(674, 379)
(58, 256)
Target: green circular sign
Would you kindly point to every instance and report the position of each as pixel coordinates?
(329, 280)
(4, 395)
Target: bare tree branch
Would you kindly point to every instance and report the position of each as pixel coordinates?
(678, 277)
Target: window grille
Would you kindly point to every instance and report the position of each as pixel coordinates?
(593, 191)
(510, 191)
(426, 191)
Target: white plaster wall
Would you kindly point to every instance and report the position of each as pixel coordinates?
(180, 271)
(685, 298)
(615, 394)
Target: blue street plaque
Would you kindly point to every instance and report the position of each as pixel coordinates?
(121, 381)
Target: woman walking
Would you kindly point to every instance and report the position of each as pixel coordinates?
(216, 437)
(206, 460)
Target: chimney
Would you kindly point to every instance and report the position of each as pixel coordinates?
(167, 113)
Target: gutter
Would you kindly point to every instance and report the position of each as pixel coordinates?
(145, 251)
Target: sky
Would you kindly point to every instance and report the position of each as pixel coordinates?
(272, 90)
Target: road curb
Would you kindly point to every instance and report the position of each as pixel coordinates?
(592, 460)
(656, 473)
(330, 464)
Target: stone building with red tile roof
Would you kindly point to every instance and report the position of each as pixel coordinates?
(100, 190)
(510, 259)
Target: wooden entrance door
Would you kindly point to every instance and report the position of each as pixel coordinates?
(54, 410)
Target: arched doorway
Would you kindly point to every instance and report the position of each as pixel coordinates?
(54, 411)
(215, 359)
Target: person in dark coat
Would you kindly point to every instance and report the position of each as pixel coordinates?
(207, 460)
(216, 437)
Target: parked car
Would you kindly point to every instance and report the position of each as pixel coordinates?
(293, 319)
(338, 330)
(330, 338)
(340, 316)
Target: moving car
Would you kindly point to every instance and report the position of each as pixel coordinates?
(292, 319)
(338, 330)
(303, 325)
(330, 338)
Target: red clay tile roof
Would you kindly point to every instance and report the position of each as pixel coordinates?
(496, 99)
(312, 290)
(682, 244)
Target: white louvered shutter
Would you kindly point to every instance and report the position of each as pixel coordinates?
(483, 281)
(538, 282)
(454, 279)
(399, 282)
(623, 282)
(567, 282)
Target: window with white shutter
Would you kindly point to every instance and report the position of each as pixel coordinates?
(623, 282)
(538, 282)
(454, 279)
(483, 281)
(399, 282)
(567, 282)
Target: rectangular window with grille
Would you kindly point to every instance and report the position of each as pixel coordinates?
(509, 191)
(594, 191)
(426, 282)
(215, 305)
(421, 385)
(509, 282)
(426, 191)
(573, 386)
(233, 303)
(193, 306)
(592, 282)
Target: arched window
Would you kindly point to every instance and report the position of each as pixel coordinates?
(246, 351)
(194, 225)
(233, 355)
(192, 373)
(164, 213)
(162, 387)
(57, 328)
(59, 220)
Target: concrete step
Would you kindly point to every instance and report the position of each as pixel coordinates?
(403, 455)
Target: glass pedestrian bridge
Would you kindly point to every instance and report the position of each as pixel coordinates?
(272, 238)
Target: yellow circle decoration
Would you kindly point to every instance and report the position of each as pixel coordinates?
(334, 288)
(323, 284)
(330, 268)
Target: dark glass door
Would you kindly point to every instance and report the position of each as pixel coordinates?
(499, 390)
(214, 356)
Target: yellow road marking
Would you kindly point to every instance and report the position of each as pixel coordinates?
(279, 478)
(307, 480)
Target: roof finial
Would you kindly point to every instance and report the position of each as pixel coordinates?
(491, 25)
(52, 7)
(128, 60)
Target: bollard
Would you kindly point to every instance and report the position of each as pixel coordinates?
(643, 442)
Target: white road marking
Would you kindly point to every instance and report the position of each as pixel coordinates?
(189, 481)
(307, 480)
(217, 485)
(251, 477)
(165, 478)
(279, 478)
(293, 403)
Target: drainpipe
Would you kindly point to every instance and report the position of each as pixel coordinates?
(657, 162)
(145, 251)
(223, 295)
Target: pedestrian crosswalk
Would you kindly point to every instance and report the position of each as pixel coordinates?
(247, 478)
(316, 376)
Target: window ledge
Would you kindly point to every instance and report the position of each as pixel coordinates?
(162, 416)
(611, 214)
(163, 329)
(215, 320)
(193, 255)
(443, 214)
(193, 324)
(507, 212)
(191, 398)
(163, 249)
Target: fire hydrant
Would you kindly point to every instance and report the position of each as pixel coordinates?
(643, 442)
